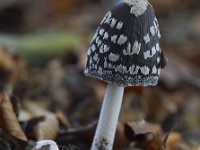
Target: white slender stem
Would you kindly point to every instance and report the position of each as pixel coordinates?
(106, 128)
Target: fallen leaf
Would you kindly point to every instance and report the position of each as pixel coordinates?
(8, 119)
(145, 135)
(121, 141)
(63, 119)
(29, 126)
(85, 132)
(173, 140)
(47, 128)
(6, 62)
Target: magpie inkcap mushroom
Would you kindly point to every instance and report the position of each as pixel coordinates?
(125, 49)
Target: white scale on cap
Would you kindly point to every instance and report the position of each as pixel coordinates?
(138, 7)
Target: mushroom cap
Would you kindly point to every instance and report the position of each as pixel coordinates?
(125, 49)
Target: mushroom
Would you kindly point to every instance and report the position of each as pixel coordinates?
(124, 52)
(46, 144)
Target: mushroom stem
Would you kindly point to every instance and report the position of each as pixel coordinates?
(106, 128)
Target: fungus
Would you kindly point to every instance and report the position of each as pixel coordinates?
(46, 144)
(128, 54)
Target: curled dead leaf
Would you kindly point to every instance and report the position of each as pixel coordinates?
(48, 127)
(8, 119)
(145, 135)
(148, 136)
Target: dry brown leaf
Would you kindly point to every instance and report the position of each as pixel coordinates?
(46, 129)
(8, 119)
(173, 140)
(143, 127)
(63, 119)
(148, 136)
(34, 109)
(121, 141)
(145, 135)
(6, 62)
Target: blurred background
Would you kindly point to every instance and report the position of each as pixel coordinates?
(43, 44)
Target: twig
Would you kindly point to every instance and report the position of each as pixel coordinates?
(80, 130)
